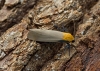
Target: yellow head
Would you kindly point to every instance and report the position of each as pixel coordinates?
(68, 37)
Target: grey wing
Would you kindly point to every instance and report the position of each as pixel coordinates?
(45, 35)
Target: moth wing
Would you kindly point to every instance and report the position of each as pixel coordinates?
(45, 35)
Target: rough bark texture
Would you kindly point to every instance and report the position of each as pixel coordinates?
(79, 17)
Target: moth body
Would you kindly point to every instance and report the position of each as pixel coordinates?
(49, 35)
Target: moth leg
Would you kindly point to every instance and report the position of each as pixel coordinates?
(56, 26)
(68, 46)
(63, 29)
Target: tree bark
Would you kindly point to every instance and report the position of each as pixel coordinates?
(80, 17)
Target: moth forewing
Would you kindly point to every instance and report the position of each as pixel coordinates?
(45, 35)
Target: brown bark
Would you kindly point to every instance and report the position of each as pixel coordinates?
(79, 17)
